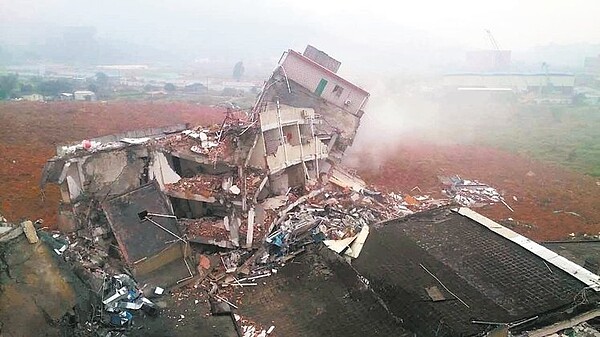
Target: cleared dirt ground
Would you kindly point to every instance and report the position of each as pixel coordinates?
(29, 133)
(551, 202)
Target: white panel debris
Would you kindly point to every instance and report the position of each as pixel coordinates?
(338, 246)
(135, 141)
(357, 246)
(344, 179)
(162, 171)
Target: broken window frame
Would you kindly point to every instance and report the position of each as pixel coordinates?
(337, 90)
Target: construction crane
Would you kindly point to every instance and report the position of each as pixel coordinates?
(492, 40)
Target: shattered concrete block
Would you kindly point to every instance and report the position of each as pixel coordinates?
(99, 231)
(234, 190)
(30, 232)
(5, 229)
(15, 232)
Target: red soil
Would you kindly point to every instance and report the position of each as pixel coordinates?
(415, 163)
(29, 133)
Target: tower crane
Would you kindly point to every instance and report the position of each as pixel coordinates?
(492, 40)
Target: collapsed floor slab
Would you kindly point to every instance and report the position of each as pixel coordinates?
(143, 223)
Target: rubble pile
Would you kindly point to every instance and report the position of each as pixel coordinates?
(470, 193)
(120, 295)
(252, 329)
(177, 217)
(210, 227)
(254, 180)
(217, 142)
(329, 215)
(316, 213)
(579, 330)
(202, 184)
(220, 207)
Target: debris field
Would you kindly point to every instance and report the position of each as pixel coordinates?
(170, 224)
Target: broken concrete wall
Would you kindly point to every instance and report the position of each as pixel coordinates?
(257, 157)
(288, 115)
(322, 58)
(161, 170)
(53, 169)
(73, 180)
(336, 123)
(289, 155)
(37, 289)
(115, 172)
(290, 177)
(103, 173)
(190, 166)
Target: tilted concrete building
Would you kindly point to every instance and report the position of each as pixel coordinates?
(309, 116)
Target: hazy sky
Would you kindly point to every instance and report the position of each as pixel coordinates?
(256, 28)
(516, 23)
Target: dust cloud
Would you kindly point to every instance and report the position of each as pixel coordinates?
(417, 109)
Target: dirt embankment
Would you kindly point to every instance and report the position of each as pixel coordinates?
(29, 133)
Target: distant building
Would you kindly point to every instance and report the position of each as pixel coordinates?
(84, 95)
(591, 65)
(195, 88)
(65, 96)
(242, 86)
(33, 98)
(589, 96)
(123, 67)
(519, 82)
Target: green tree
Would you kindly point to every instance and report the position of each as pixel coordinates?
(8, 83)
(26, 89)
(55, 87)
(170, 87)
(238, 71)
(101, 85)
(93, 87)
(101, 79)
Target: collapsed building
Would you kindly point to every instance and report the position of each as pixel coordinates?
(212, 184)
(223, 206)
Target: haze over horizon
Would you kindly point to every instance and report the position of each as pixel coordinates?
(414, 35)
